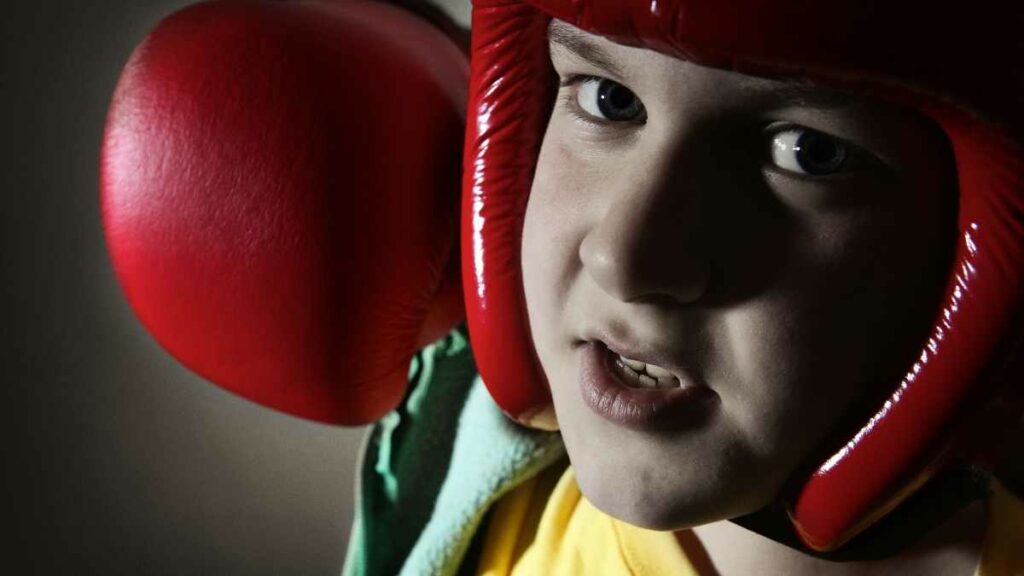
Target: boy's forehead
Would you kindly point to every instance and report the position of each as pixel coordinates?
(621, 61)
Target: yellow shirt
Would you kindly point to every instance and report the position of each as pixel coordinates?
(539, 530)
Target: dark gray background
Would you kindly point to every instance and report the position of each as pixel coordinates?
(119, 460)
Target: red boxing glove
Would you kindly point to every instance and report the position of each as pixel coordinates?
(280, 192)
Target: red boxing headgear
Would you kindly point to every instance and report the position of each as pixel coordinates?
(926, 59)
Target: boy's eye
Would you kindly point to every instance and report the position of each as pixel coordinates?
(807, 151)
(608, 100)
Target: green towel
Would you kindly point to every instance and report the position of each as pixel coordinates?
(432, 468)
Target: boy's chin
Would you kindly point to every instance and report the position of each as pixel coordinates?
(656, 510)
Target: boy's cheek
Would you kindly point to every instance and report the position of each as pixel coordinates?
(763, 368)
(583, 154)
(549, 245)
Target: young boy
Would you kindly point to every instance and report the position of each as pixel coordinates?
(718, 269)
(759, 263)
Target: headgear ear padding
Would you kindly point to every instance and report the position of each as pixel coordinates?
(509, 104)
(940, 61)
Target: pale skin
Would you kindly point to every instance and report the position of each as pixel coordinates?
(670, 207)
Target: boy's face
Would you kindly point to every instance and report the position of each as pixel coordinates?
(670, 211)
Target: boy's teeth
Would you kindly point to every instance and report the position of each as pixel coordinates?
(658, 371)
(641, 375)
(634, 364)
(648, 382)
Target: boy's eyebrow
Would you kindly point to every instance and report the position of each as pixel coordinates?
(574, 41)
(779, 93)
(803, 95)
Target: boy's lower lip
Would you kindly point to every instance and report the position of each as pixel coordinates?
(642, 409)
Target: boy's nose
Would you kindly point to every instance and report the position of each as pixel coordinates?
(642, 249)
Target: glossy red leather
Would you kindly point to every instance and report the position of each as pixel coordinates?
(958, 66)
(279, 188)
(507, 114)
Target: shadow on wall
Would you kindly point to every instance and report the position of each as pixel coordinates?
(122, 461)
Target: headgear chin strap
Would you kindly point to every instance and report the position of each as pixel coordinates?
(926, 60)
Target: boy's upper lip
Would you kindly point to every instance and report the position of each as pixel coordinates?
(650, 353)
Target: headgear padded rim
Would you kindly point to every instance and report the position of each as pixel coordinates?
(929, 60)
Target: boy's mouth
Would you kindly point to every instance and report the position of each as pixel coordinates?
(605, 386)
(641, 364)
